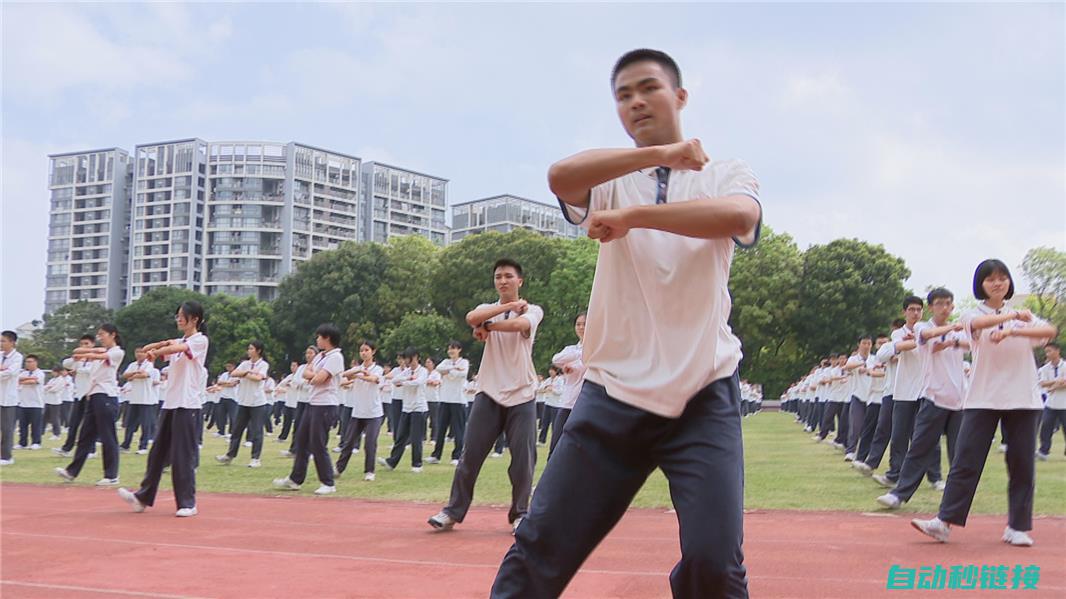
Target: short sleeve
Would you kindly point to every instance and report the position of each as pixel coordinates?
(534, 314)
(600, 198)
(263, 368)
(115, 356)
(131, 368)
(198, 348)
(739, 179)
(966, 320)
(334, 364)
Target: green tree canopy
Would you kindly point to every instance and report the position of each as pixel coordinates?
(59, 335)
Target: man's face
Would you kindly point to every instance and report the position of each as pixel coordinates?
(453, 353)
(942, 307)
(648, 104)
(507, 281)
(140, 355)
(1053, 353)
(31, 364)
(881, 341)
(912, 313)
(864, 346)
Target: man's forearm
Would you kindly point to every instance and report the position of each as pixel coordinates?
(707, 218)
(571, 179)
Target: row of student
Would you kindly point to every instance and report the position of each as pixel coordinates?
(921, 389)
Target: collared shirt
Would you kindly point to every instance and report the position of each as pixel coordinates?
(942, 376)
(141, 390)
(507, 374)
(10, 369)
(186, 375)
(327, 393)
(1003, 376)
(31, 395)
(103, 377)
(252, 393)
(1056, 400)
(367, 396)
(570, 356)
(908, 369)
(453, 376)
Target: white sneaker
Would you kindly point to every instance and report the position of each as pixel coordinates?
(63, 474)
(91, 456)
(849, 457)
(217, 435)
(495, 455)
(59, 452)
(862, 467)
(939, 485)
(186, 512)
(432, 460)
(838, 445)
(142, 452)
(35, 446)
(285, 453)
(223, 459)
(514, 526)
(336, 450)
(369, 476)
(890, 501)
(385, 463)
(935, 528)
(286, 484)
(416, 469)
(442, 521)
(355, 451)
(455, 462)
(816, 438)
(6, 462)
(131, 499)
(1041, 456)
(1002, 448)
(325, 490)
(254, 463)
(107, 482)
(883, 480)
(1017, 538)
(247, 443)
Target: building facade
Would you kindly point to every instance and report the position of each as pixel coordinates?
(505, 213)
(404, 202)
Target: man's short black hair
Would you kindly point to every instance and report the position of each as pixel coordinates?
(644, 54)
(32, 357)
(87, 338)
(10, 336)
(331, 332)
(502, 262)
(939, 293)
(912, 300)
(1054, 344)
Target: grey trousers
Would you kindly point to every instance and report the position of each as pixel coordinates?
(487, 420)
(932, 422)
(856, 417)
(7, 431)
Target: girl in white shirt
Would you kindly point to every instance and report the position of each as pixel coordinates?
(347, 397)
(1003, 389)
(102, 409)
(366, 377)
(433, 382)
(452, 410)
(54, 393)
(302, 391)
(252, 407)
(411, 426)
(574, 374)
(552, 390)
(176, 441)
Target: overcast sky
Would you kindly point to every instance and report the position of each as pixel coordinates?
(936, 130)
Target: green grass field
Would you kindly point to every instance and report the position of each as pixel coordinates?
(785, 470)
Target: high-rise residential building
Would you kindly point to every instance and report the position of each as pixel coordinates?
(167, 236)
(88, 229)
(505, 213)
(404, 202)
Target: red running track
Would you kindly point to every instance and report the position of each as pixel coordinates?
(72, 541)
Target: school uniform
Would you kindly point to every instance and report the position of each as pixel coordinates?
(54, 392)
(367, 414)
(859, 395)
(10, 369)
(411, 426)
(940, 410)
(834, 405)
(452, 409)
(100, 414)
(540, 398)
(227, 404)
(396, 405)
(210, 409)
(433, 382)
(872, 412)
(503, 404)
(303, 390)
(1055, 406)
(1003, 389)
(347, 393)
(176, 441)
(553, 396)
(570, 357)
(661, 390)
(290, 397)
(30, 411)
(142, 403)
(905, 406)
(67, 398)
(81, 370)
(269, 385)
(312, 433)
(252, 409)
(883, 431)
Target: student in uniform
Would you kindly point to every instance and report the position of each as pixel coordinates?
(875, 370)
(569, 360)
(366, 377)
(886, 356)
(285, 387)
(433, 381)
(55, 390)
(941, 345)
(80, 370)
(834, 380)
(553, 394)
(661, 389)
(395, 407)
(905, 397)
(504, 402)
(30, 411)
(411, 426)
(269, 384)
(303, 391)
(100, 412)
(141, 375)
(1053, 383)
(180, 420)
(227, 399)
(67, 399)
(452, 412)
(10, 369)
(323, 376)
(858, 393)
(252, 408)
(1003, 388)
(347, 389)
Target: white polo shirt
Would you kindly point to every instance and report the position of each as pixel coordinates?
(570, 356)
(226, 392)
(453, 375)
(141, 390)
(507, 374)
(30, 395)
(413, 388)
(943, 381)
(327, 393)
(433, 391)
(55, 390)
(186, 375)
(253, 393)
(367, 396)
(299, 387)
(1004, 374)
(861, 382)
(1056, 400)
(908, 369)
(10, 369)
(103, 376)
(877, 383)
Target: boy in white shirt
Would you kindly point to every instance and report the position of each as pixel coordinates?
(252, 410)
(875, 370)
(1053, 382)
(55, 390)
(452, 412)
(553, 394)
(411, 427)
(10, 369)
(661, 376)
(886, 357)
(227, 399)
(941, 345)
(141, 375)
(80, 370)
(31, 404)
(504, 403)
(859, 395)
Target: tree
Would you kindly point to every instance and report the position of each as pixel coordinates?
(849, 288)
(428, 333)
(410, 262)
(764, 283)
(338, 286)
(1045, 270)
(61, 330)
(234, 322)
(566, 296)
